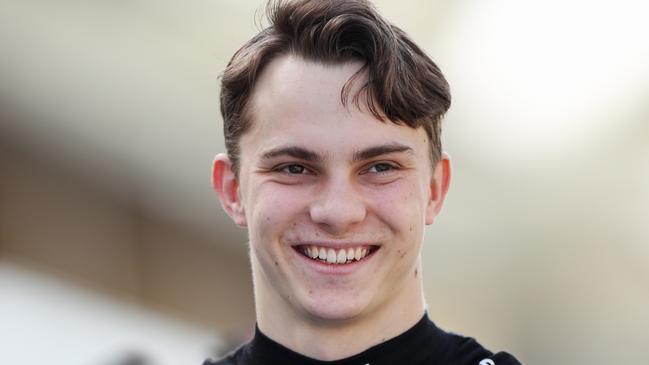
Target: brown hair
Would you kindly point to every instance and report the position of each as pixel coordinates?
(404, 85)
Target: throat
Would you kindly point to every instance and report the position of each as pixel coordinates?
(363, 341)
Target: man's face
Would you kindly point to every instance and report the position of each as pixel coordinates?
(320, 183)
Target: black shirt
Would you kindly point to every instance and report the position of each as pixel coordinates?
(423, 344)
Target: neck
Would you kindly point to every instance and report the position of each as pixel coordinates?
(323, 340)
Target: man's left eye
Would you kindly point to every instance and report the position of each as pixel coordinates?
(380, 167)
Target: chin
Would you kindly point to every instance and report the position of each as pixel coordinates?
(332, 307)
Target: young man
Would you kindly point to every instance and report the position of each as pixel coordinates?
(334, 165)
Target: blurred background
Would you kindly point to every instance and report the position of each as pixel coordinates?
(113, 247)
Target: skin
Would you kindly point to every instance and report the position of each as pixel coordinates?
(314, 171)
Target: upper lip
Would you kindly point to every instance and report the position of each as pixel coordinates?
(334, 245)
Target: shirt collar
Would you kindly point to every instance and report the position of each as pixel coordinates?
(410, 347)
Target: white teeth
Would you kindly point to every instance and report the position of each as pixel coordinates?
(331, 256)
(358, 253)
(342, 257)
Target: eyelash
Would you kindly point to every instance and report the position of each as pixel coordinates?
(390, 167)
(284, 169)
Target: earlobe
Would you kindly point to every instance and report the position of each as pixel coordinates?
(439, 185)
(225, 183)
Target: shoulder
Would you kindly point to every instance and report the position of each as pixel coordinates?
(463, 350)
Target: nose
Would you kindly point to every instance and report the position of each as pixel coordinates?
(338, 206)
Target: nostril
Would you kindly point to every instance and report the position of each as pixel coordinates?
(338, 205)
(338, 215)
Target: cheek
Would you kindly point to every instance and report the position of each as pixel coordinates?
(272, 209)
(402, 207)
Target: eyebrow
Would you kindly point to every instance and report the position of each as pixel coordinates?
(293, 151)
(359, 155)
(380, 150)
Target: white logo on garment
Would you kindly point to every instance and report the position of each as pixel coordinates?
(487, 362)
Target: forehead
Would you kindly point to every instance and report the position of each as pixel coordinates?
(290, 83)
(299, 102)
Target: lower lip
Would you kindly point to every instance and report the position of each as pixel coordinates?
(335, 269)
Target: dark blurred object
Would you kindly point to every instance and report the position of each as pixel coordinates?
(133, 358)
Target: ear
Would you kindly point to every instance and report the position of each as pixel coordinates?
(226, 186)
(438, 187)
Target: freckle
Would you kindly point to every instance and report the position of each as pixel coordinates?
(310, 291)
(276, 263)
(410, 228)
(416, 272)
(267, 219)
(402, 254)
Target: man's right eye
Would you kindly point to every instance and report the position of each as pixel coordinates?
(293, 169)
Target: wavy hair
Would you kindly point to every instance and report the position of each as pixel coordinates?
(403, 86)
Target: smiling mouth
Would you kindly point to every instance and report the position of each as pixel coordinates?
(332, 256)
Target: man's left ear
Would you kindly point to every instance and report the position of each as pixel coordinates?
(438, 187)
